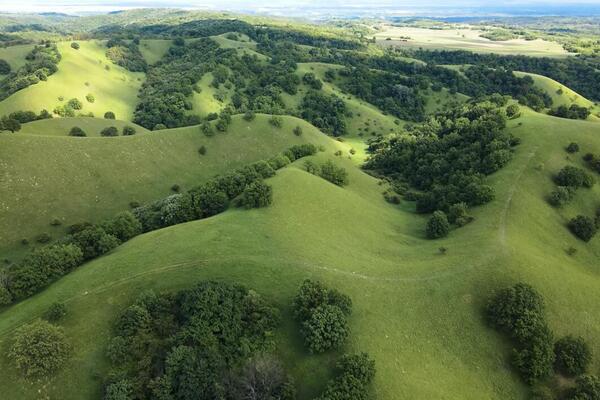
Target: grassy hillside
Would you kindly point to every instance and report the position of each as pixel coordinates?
(416, 311)
(561, 94)
(89, 179)
(154, 49)
(81, 72)
(62, 126)
(15, 55)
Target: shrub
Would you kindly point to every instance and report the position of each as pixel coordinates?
(572, 355)
(298, 130)
(208, 200)
(202, 150)
(90, 98)
(43, 238)
(512, 309)
(175, 188)
(263, 169)
(312, 167)
(124, 226)
(159, 127)
(574, 177)
(325, 329)
(276, 121)
(56, 312)
(278, 162)
(39, 349)
(120, 390)
(5, 296)
(333, 173)
(437, 226)
(109, 115)
(360, 366)
(513, 111)
(249, 115)
(128, 130)
(94, 242)
(75, 45)
(587, 388)
(75, 104)
(535, 357)
(9, 124)
(257, 194)
(561, 195)
(572, 147)
(583, 227)
(313, 294)
(458, 214)
(77, 131)
(299, 151)
(4, 67)
(109, 131)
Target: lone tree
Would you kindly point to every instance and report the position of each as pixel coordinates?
(583, 227)
(75, 45)
(109, 115)
(109, 131)
(572, 355)
(325, 329)
(39, 349)
(128, 130)
(437, 226)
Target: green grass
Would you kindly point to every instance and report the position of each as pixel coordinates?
(416, 311)
(244, 45)
(62, 126)
(15, 55)
(561, 94)
(204, 103)
(81, 72)
(92, 178)
(154, 49)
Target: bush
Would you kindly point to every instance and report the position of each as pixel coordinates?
(572, 147)
(208, 200)
(109, 115)
(313, 294)
(263, 169)
(94, 242)
(10, 124)
(573, 177)
(39, 349)
(159, 127)
(513, 309)
(90, 98)
(437, 226)
(56, 312)
(587, 388)
(583, 227)
(75, 45)
(4, 67)
(75, 104)
(356, 372)
(298, 130)
(278, 162)
(128, 130)
(561, 196)
(43, 238)
(325, 329)
(249, 115)
(513, 111)
(276, 121)
(5, 296)
(334, 174)
(535, 357)
(120, 390)
(202, 150)
(77, 131)
(124, 226)
(175, 188)
(359, 366)
(110, 131)
(257, 194)
(458, 214)
(572, 355)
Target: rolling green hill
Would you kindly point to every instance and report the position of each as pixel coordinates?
(89, 179)
(81, 72)
(15, 55)
(418, 312)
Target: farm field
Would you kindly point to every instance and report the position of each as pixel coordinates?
(465, 39)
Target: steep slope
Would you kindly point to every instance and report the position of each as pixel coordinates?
(418, 312)
(81, 72)
(87, 179)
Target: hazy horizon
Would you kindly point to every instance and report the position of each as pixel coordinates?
(332, 8)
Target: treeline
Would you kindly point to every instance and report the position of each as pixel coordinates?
(579, 73)
(41, 62)
(85, 241)
(446, 160)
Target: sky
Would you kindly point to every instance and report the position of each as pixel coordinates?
(342, 7)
